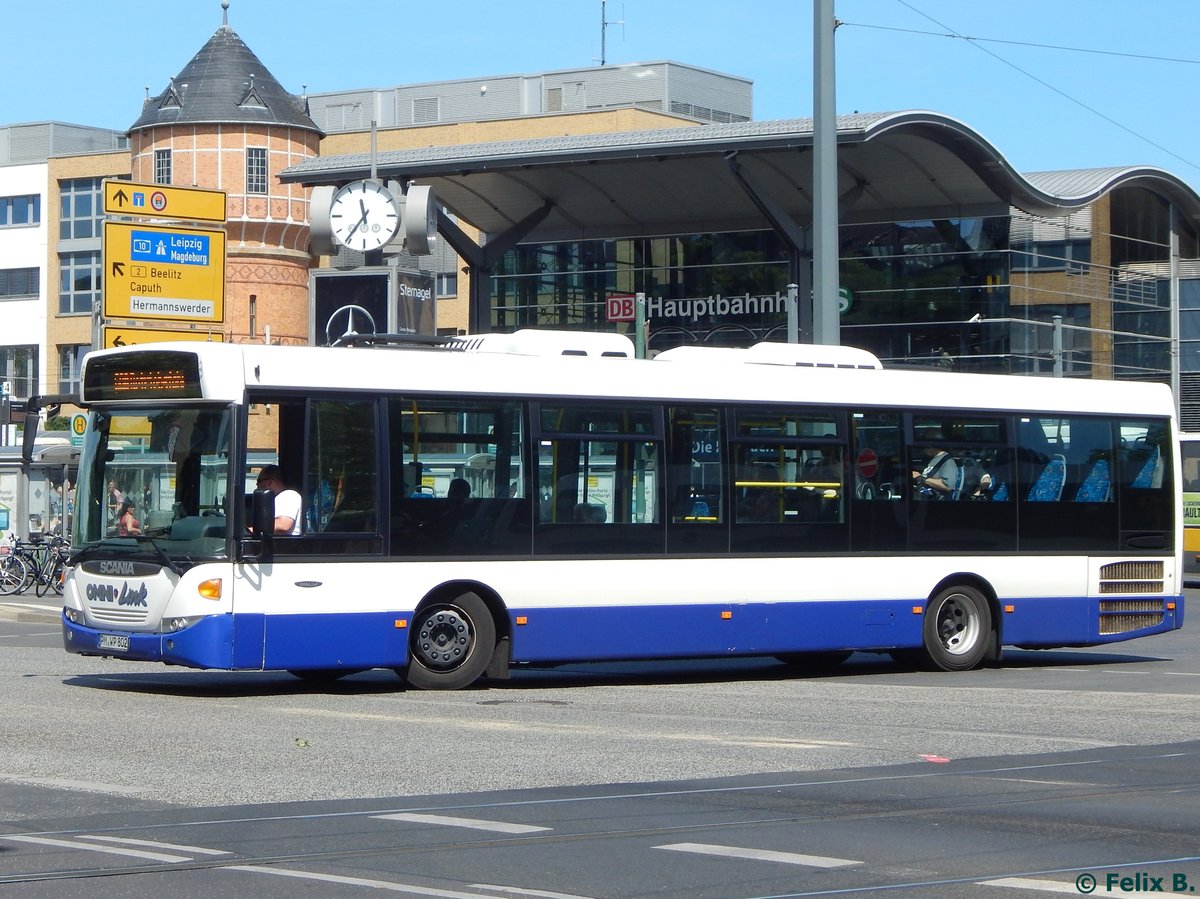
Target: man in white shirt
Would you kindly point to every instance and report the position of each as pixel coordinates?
(287, 502)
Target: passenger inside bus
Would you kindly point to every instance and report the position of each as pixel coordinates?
(287, 502)
(127, 525)
(454, 510)
(939, 478)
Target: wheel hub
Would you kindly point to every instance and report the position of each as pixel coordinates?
(956, 627)
(443, 639)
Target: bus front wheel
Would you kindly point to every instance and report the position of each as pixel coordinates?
(452, 643)
(958, 628)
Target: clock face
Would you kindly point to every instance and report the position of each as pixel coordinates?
(363, 216)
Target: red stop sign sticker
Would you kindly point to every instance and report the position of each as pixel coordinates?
(868, 463)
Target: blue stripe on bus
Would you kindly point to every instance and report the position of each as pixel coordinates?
(374, 639)
(578, 634)
(1058, 621)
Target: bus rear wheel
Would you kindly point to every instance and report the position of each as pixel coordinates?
(452, 643)
(957, 629)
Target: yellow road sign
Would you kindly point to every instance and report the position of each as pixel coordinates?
(115, 336)
(164, 273)
(162, 202)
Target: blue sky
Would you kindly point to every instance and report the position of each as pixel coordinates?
(1122, 102)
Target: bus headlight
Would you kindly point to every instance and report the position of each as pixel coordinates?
(75, 616)
(174, 625)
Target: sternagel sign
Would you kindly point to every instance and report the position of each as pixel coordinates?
(370, 301)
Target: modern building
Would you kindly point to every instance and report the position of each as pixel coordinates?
(31, 280)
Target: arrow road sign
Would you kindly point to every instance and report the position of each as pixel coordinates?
(161, 201)
(115, 336)
(173, 274)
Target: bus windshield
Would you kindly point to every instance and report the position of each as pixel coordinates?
(155, 478)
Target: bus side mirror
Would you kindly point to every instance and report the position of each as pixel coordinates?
(260, 518)
(262, 513)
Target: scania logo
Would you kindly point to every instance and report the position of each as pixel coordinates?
(118, 568)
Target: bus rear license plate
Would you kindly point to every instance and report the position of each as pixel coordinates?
(115, 642)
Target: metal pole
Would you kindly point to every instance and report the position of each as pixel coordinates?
(1176, 352)
(793, 313)
(603, 28)
(826, 325)
(639, 325)
(1057, 352)
(374, 151)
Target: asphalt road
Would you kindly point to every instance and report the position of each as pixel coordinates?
(704, 779)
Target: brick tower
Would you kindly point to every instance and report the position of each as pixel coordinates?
(225, 123)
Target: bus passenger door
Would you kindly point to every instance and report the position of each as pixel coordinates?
(879, 482)
(312, 589)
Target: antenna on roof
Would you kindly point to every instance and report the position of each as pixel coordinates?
(604, 23)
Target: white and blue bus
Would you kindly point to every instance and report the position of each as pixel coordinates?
(543, 498)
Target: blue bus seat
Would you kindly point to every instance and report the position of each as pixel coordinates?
(1149, 476)
(1096, 486)
(1049, 485)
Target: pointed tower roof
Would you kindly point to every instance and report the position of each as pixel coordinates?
(225, 83)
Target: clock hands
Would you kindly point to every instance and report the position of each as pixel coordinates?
(363, 216)
(361, 222)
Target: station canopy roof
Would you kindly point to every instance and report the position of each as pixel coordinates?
(898, 166)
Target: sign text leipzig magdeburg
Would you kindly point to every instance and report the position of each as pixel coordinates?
(155, 272)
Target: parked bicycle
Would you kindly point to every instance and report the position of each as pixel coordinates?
(38, 562)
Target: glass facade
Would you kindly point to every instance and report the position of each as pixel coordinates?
(1013, 293)
(700, 287)
(20, 211)
(81, 208)
(79, 282)
(70, 361)
(19, 366)
(19, 283)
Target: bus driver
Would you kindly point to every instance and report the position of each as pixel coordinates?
(287, 502)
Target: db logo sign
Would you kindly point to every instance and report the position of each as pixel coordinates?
(619, 308)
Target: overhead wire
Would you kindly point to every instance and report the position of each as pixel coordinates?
(978, 41)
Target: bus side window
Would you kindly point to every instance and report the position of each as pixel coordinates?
(695, 474)
(342, 471)
(879, 473)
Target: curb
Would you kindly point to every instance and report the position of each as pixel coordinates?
(24, 615)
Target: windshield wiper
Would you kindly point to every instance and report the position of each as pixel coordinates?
(159, 553)
(86, 552)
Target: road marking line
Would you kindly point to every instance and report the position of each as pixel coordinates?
(765, 855)
(88, 785)
(473, 823)
(33, 605)
(1044, 783)
(92, 847)
(358, 881)
(523, 891)
(1026, 883)
(152, 844)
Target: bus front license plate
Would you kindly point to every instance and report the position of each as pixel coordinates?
(115, 642)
